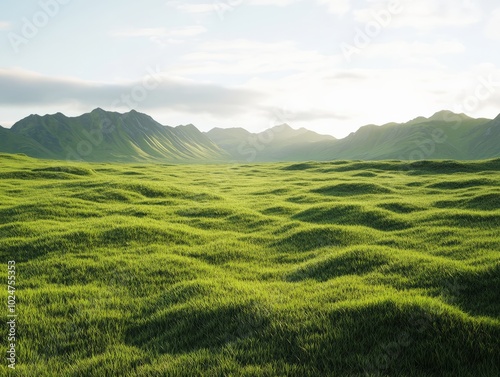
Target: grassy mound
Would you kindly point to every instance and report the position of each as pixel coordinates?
(462, 184)
(353, 214)
(351, 189)
(76, 170)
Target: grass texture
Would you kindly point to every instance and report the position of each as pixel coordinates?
(341, 268)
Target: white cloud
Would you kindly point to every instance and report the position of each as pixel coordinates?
(216, 6)
(339, 7)
(161, 36)
(423, 15)
(405, 52)
(249, 58)
(493, 26)
(197, 8)
(144, 32)
(279, 3)
(4, 25)
(189, 31)
(334, 6)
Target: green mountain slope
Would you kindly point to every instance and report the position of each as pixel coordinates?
(280, 143)
(110, 136)
(11, 142)
(445, 135)
(486, 139)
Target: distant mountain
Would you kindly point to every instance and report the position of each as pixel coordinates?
(110, 136)
(280, 143)
(445, 135)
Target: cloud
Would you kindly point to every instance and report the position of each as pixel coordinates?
(216, 6)
(154, 91)
(480, 91)
(414, 52)
(188, 31)
(279, 3)
(161, 36)
(4, 25)
(314, 114)
(424, 15)
(197, 8)
(334, 6)
(339, 7)
(492, 29)
(224, 5)
(249, 58)
(346, 75)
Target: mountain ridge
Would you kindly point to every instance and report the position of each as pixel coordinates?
(133, 136)
(110, 136)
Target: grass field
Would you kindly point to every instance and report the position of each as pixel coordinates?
(336, 269)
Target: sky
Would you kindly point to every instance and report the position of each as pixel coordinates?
(331, 66)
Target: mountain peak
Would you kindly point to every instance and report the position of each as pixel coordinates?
(135, 112)
(187, 127)
(448, 115)
(283, 127)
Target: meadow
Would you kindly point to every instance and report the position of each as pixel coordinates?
(342, 268)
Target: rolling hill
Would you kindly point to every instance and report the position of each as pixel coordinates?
(113, 137)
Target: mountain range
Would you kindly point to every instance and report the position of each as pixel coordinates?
(109, 136)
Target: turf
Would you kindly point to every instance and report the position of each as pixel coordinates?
(342, 268)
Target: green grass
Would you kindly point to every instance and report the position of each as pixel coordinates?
(312, 269)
